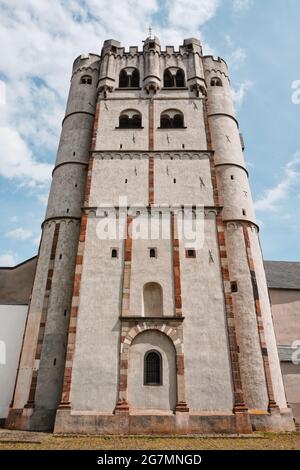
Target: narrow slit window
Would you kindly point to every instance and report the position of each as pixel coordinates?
(234, 287)
(114, 253)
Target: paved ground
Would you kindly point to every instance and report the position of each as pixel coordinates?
(41, 441)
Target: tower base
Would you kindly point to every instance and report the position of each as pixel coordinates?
(66, 421)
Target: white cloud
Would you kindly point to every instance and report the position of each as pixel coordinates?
(41, 40)
(273, 197)
(190, 14)
(7, 260)
(17, 161)
(19, 234)
(238, 95)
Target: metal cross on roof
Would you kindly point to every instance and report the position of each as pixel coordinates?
(150, 32)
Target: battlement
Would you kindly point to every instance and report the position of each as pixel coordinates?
(86, 60)
(112, 46)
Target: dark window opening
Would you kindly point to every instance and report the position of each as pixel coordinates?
(65, 313)
(168, 122)
(153, 368)
(179, 79)
(125, 122)
(114, 253)
(121, 146)
(216, 81)
(174, 180)
(127, 80)
(74, 153)
(244, 212)
(126, 180)
(234, 287)
(86, 80)
(136, 121)
(54, 362)
(178, 121)
(152, 253)
(151, 45)
(190, 253)
(165, 122)
(113, 49)
(174, 81)
(232, 177)
(60, 256)
(183, 146)
(168, 79)
(123, 79)
(76, 185)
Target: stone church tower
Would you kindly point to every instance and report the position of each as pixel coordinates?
(148, 334)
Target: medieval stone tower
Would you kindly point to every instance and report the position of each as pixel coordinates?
(146, 334)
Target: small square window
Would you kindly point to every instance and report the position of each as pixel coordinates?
(152, 252)
(190, 253)
(114, 253)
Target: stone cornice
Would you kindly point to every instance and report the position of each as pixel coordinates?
(163, 154)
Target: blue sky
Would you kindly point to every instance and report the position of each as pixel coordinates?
(40, 38)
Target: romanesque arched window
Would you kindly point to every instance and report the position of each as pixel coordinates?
(153, 300)
(129, 78)
(216, 81)
(172, 119)
(152, 368)
(130, 119)
(174, 78)
(86, 80)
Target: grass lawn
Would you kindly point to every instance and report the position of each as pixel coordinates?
(12, 440)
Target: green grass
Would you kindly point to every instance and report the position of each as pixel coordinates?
(42, 441)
